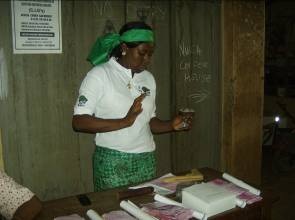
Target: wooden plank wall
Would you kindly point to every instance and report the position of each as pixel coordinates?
(196, 81)
(40, 149)
(242, 83)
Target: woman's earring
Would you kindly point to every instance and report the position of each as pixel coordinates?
(123, 53)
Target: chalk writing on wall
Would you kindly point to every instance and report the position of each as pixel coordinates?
(144, 12)
(187, 50)
(199, 77)
(194, 67)
(109, 27)
(102, 7)
(158, 13)
(199, 96)
(192, 64)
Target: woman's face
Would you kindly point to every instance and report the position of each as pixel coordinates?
(138, 58)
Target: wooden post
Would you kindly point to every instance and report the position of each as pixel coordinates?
(242, 83)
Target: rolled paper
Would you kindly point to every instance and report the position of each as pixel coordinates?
(135, 211)
(241, 184)
(134, 192)
(165, 200)
(241, 203)
(93, 215)
(199, 215)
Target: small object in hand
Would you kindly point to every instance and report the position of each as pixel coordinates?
(184, 124)
(84, 200)
(124, 194)
(187, 115)
(186, 112)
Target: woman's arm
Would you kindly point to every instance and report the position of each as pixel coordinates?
(176, 124)
(91, 124)
(159, 126)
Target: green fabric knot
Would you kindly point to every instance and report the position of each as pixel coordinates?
(104, 45)
(102, 48)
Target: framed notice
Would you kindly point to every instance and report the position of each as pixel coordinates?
(36, 26)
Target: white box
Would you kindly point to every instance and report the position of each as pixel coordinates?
(208, 198)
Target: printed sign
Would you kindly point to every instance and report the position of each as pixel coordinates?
(36, 26)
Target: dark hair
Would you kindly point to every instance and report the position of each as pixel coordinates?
(117, 52)
(134, 25)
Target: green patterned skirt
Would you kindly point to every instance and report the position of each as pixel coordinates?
(113, 168)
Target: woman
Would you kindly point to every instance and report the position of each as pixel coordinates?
(117, 103)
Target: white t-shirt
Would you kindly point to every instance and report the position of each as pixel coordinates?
(12, 195)
(107, 92)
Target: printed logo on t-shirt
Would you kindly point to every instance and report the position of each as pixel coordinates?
(144, 90)
(82, 100)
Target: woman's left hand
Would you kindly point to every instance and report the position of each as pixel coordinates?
(181, 123)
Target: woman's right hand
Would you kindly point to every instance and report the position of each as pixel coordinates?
(91, 124)
(134, 110)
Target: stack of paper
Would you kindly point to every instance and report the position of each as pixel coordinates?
(243, 195)
(208, 198)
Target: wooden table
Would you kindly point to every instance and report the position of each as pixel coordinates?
(106, 201)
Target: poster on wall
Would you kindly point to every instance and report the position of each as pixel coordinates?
(36, 26)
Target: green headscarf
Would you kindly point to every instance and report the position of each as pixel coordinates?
(103, 46)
